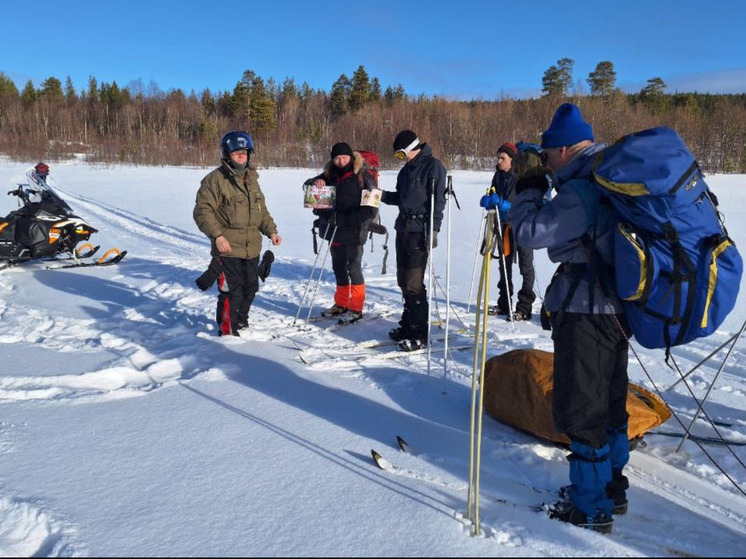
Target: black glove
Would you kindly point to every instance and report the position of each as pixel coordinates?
(435, 238)
(531, 171)
(377, 228)
(265, 266)
(210, 276)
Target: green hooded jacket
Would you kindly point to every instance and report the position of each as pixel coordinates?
(232, 205)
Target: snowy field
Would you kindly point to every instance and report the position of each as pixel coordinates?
(128, 428)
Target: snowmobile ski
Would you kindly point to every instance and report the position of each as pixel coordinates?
(110, 257)
(90, 250)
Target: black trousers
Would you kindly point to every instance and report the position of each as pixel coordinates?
(347, 263)
(236, 292)
(526, 295)
(590, 376)
(411, 263)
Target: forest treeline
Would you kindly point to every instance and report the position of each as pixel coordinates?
(295, 125)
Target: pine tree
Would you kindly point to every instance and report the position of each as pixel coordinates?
(51, 89)
(655, 86)
(393, 93)
(602, 80)
(557, 79)
(70, 93)
(92, 89)
(289, 90)
(8, 89)
(359, 90)
(652, 94)
(239, 101)
(28, 95)
(207, 101)
(339, 96)
(261, 106)
(375, 90)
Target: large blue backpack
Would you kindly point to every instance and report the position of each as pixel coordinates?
(677, 271)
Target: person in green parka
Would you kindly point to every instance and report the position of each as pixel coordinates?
(231, 211)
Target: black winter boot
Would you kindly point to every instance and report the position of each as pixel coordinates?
(413, 344)
(399, 334)
(564, 511)
(616, 490)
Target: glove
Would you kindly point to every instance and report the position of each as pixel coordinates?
(265, 266)
(494, 200)
(435, 238)
(377, 228)
(531, 171)
(210, 276)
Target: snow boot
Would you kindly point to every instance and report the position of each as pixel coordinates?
(521, 315)
(496, 310)
(619, 498)
(412, 344)
(616, 489)
(349, 316)
(565, 511)
(334, 310)
(590, 472)
(400, 333)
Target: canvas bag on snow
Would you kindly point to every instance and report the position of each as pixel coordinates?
(518, 392)
(677, 271)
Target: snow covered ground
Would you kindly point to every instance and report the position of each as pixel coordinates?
(128, 428)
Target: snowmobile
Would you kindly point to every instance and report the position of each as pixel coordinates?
(45, 227)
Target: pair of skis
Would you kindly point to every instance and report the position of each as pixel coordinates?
(366, 350)
(383, 464)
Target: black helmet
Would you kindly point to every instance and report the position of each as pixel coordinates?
(235, 140)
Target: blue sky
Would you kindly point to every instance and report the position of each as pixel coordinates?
(477, 49)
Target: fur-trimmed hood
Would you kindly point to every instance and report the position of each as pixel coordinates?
(358, 164)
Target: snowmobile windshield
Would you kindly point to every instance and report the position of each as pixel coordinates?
(40, 191)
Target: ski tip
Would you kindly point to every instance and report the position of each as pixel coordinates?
(402, 444)
(377, 459)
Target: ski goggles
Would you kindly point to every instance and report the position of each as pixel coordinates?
(401, 154)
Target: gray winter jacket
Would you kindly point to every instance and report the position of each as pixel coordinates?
(566, 227)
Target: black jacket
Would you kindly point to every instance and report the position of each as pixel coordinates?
(352, 219)
(503, 184)
(414, 187)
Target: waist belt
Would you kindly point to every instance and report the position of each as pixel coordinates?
(573, 267)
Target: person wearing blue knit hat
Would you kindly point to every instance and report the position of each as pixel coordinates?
(590, 381)
(567, 128)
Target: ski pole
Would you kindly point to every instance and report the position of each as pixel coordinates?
(321, 273)
(478, 374)
(449, 192)
(702, 403)
(480, 237)
(385, 254)
(310, 277)
(430, 271)
(703, 361)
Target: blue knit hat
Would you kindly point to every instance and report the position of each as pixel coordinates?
(567, 128)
